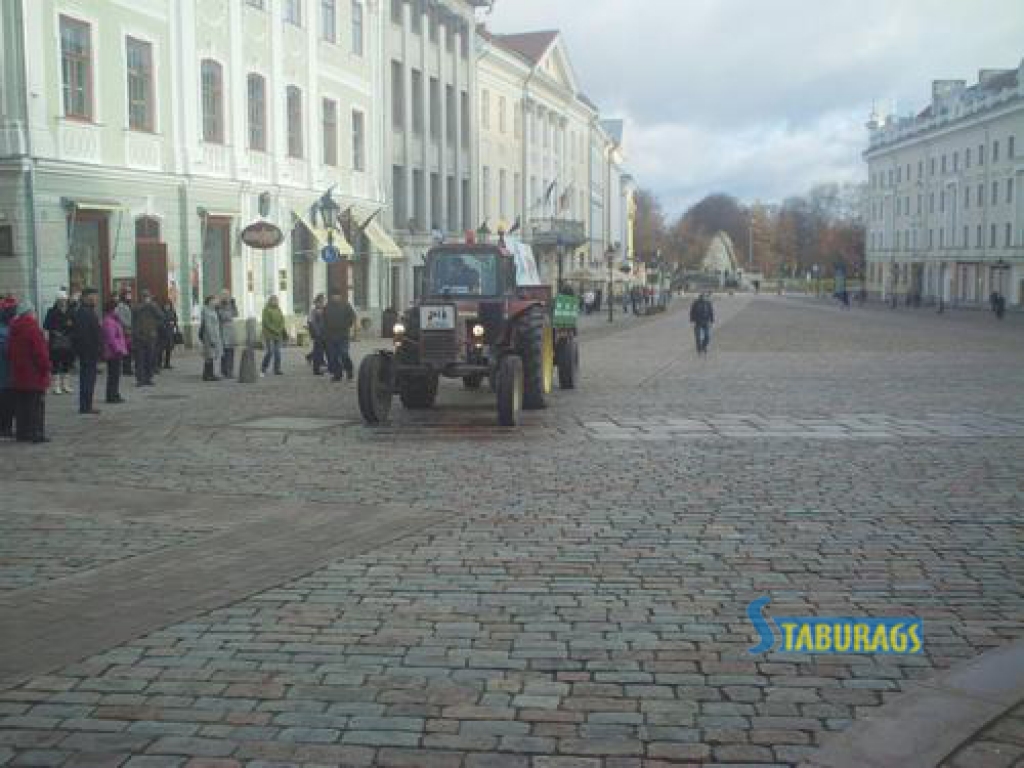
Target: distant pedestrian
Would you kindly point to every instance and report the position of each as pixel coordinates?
(227, 311)
(8, 307)
(315, 324)
(339, 318)
(588, 301)
(170, 335)
(209, 335)
(147, 322)
(702, 315)
(115, 347)
(88, 345)
(59, 324)
(124, 314)
(274, 335)
(29, 360)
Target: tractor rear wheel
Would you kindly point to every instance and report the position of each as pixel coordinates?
(510, 390)
(418, 393)
(536, 347)
(374, 390)
(568, 358)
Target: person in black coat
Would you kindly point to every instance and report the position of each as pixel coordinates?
(87, 339)
(59, 325)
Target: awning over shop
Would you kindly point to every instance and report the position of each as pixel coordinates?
(381, 242)
(320, 235)
(103, 206)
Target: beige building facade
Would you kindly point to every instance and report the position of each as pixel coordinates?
(945, 208)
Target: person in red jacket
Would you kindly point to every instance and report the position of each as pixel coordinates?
(29, 359)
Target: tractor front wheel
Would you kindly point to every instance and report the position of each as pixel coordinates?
(374, 389)
(510, 390)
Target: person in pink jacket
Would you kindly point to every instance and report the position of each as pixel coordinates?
(115, 349)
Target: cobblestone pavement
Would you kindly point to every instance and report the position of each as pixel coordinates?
(580, 601)
(1001, 745)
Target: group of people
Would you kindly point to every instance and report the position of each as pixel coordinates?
(330, 324)
(36, 358)
(218, 337)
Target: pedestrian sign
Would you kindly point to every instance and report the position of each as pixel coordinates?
(330, 254)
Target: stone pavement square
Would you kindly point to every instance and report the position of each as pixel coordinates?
(572, 593)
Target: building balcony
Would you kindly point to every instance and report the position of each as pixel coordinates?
(556, 232)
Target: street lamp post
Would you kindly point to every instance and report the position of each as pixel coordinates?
(610, 256)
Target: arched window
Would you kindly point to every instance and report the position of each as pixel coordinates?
(212, 75)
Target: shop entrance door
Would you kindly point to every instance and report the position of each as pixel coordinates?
(89, 253)
(217, 256)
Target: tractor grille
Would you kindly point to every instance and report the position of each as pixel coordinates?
(439, 347)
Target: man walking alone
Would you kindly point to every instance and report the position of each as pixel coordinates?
(339, 317)
(88, 345)
(702, 315)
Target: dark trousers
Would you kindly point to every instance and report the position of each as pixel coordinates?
(227, 363)
(166, 353)
(126, 362)
(338, 360)
(702, 335)
(7, 406)
(114, 380)
(145, 356)
(318, 355)
(86, 384)
(30, 415)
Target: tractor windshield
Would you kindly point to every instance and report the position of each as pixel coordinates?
(463, 274)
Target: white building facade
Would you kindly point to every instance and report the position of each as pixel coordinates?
(945, 209)
(137, 140)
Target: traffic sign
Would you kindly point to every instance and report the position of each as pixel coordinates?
(330, 254)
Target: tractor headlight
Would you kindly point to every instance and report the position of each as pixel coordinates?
(478, 332)
(398, 329)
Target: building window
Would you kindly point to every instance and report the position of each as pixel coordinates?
(931, 166)
(435, 108)
(995, 151)
(398, 209)
(967, 198)
(435, 201)
(139, 56)
(981, 195)
(485, 109)
(76, 68)
(956, 162)
(899, 174)
(419, 207)
(942, 201)
(449, 109)
(1009, 191)
(920, 168)
(464, 43)
(416, 18)
(464, 103)
(502, 120)
(1010, 149)
(397, 96)
(257, 88)
(942, 237)
(485, 192)
(212, 76)
(434, 24)
(981, 154)
(397, 11)
(992, 236)
(329, 20)
(358, 141)
(330, 132)
(943, 163)
(6, 241)
(979, 238)
(293, 109)
(453, 212)
(449, 38)
(1009, 236)
(417, 102)
(967, 158)
(292, 12)
(357, 28)
(994, 200)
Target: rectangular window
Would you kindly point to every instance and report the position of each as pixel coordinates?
(485, 109)
(397, 11)
(995, 151)
(435, 201)
(1009, 191)
(992, 236)
(449, 38)
(942, 201)
(399, 209)
(453, 215)
(899, 173)
(920, 168)
(417, 102)
(981, 195)
(942, 237)
(1008, 240)
(292, 12)
(212, 77)
(979, 238)
(931, 202)
(397, 96)
(358, 141)
(449, 114)
(967, 158)
(357, 28)
(330, 132)
(293, 100)
(956, 162)
(6, 241)
(981, 154)
(994, 200)
(416, 18)
(967, 236)
(435, 108)
(967, 198)
(931, 166)
(943, 163)
(485, 192)
(1010, 149)
(140, 84)
(76, 68)
(464, 103)
(435, 25)
(329, 20)
(419, 207)
(257, 87)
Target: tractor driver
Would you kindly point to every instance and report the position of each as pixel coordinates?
(464, 276)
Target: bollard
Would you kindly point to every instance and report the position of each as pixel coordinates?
(247, 365)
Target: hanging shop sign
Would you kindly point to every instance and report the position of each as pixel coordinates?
(262, 235)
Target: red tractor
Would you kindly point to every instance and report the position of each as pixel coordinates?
(483, 315)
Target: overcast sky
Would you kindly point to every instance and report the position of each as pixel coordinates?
(763, 98)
